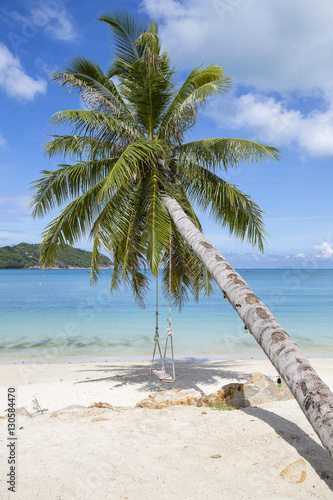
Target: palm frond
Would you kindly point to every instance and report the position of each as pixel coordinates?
(118, 229)
(125, 29)
(188, 274)
(157, 226)
(81, 146)
(197, 88)
(229, 206)
(96, 124)
(130, 163)
(126, 231)
(150, 39)
(148, 88)
(70, 226)
(56, 187)
(214, 153)
(96, 89)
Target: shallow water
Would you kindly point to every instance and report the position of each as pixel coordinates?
(58, 313)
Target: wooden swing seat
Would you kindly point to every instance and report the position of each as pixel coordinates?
(163, 376)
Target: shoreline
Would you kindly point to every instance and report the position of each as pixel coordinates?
(70, 358)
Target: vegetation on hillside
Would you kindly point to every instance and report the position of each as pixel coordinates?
(26, 255)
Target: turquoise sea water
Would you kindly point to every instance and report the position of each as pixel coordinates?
(57, 313)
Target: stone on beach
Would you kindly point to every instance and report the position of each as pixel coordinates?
(259, 389)
(230, 394)
(171, 397)
(100, 405)
(295, 472)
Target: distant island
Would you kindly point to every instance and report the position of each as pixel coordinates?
(26, 256)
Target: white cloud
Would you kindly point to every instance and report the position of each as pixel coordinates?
(271, 45)
(326, 250)
(14, 81)
(273, 122)
(300, 256)
(53, 18)
(61, 27)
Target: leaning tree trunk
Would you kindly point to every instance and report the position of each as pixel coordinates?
(313, 396)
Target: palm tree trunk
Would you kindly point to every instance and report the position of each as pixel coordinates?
(312, 395)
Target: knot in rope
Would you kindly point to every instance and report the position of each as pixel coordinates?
(169, 332)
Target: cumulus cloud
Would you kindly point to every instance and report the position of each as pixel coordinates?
(272, 120)
(269, 45)
(14, 81)
(325, 249)
(52, 18)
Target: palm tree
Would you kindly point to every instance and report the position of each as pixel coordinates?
(134, 182)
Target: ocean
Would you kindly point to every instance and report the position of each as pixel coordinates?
(56, 314)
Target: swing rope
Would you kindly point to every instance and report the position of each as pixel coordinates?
(157, 335)
(163, 376)
(169, 329)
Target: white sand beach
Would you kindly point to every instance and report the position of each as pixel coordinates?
(181, 452)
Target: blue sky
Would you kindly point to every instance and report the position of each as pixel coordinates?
(278, 55)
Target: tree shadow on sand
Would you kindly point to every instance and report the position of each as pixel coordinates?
(190, 373)
(193, 373)
(311, 451)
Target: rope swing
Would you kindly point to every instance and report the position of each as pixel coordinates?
(162, 374)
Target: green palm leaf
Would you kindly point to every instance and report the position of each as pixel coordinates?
(96, 124)
(197, 88)
(214, 153)
(157, 230)
(125, 29)
(71, 225)
(81, 146)
(96, 89)
(228, 205)
(55, 188)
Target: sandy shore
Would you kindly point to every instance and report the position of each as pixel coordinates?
(136, 453)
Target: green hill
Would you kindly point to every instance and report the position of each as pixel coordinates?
(26, 255)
